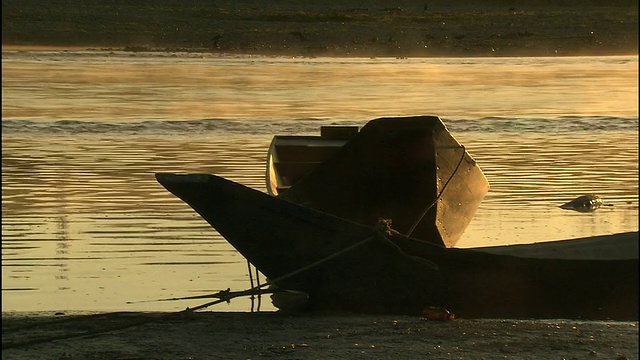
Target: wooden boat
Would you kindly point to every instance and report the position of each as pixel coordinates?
(346, 265)
(407, 169)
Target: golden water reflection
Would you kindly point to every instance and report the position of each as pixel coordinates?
(85, 226)
(84, 219)
(121, 86)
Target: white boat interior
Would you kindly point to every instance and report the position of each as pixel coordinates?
(290, 158)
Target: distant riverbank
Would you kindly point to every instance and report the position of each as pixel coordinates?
(328, 28)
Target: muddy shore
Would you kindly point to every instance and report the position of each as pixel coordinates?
(426, 28)
(219, 335)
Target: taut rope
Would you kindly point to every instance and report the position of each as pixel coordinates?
(381, 231)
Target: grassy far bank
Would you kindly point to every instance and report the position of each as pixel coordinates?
(329, 27)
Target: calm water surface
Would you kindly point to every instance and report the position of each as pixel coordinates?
(86, 227)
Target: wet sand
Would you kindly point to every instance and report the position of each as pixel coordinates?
(220, 335)
(425, 28)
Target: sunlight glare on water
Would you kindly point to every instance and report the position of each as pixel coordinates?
(121, 87)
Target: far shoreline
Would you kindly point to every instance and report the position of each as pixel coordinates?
(77, 48)
(328, 28)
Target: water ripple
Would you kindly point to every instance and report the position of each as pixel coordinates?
(564, 124)
(85, 225)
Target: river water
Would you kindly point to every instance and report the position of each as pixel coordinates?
(85, 226)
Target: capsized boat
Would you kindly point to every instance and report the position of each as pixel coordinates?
(408, 169)
(346, 265)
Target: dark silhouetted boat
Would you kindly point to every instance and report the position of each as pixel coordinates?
(362, 269)
(325, 229)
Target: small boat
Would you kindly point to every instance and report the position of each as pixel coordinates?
(407, 169)
(345, 265)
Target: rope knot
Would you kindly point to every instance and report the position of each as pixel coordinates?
(383, 227)
(382, 231)
(225, 295)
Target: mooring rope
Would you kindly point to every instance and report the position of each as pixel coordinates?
(381, 231)
(254, 308)
(250, 282)
(258, 282)
(221, 296)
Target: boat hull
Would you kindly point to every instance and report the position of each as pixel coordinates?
(605, 247)
(356, 270)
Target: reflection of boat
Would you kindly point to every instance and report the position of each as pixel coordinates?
(364, 269)
(407, 169)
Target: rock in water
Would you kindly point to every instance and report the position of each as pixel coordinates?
(584, 203)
